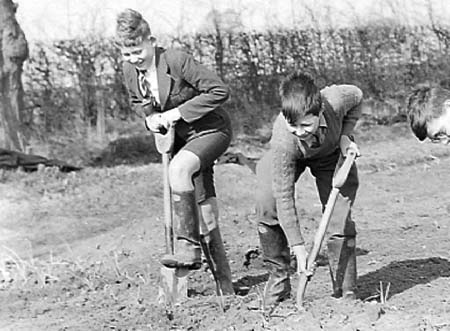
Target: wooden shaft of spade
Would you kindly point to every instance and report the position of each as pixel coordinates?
(164, 145)
(338, 180)
(168, 213)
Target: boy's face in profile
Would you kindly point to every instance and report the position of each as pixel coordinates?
(305, 126)
(140, 55)
(438, 128)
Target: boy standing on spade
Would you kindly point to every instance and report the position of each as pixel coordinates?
(171, 88)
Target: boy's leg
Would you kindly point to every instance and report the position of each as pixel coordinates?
(272, 238)
(208, 148)
(186, 218)
(209, 229)
(341, 245)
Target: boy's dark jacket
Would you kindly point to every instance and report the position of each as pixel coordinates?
(184, 83)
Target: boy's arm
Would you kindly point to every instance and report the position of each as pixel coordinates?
(346, 100)
(142, 108)
(284, 192)
(213, 91)
(284, 165)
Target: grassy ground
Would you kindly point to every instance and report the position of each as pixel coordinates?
(80, 251)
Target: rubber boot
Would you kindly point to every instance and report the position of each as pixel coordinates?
(187, 232)
(219, 259)
(342, 264)
(277, 255)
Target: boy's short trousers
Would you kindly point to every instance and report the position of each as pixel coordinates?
(208, 147)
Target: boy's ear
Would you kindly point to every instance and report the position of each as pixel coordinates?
(447, 104)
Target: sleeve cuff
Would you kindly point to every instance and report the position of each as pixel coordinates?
(299, 241)
(294, 236)
(347, 129)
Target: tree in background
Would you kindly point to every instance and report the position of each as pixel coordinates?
(13, 52)
(217, 24)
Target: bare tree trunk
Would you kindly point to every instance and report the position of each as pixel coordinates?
(101, 121)
(13, 52)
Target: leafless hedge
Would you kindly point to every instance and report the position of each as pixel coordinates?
(79, 80)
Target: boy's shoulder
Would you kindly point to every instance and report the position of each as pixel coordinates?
(175, 59)
(281, 137)
(340, 90)
(342, 97)
(129, 74)
(174, 54)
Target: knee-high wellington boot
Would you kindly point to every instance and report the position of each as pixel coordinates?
(342, 263)
(276, 253)
(219, 259)
(187, 233)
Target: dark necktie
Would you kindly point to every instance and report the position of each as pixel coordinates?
(144, 86)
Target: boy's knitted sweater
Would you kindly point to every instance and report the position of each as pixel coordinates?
(341, 105)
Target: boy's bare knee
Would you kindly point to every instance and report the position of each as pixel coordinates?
(181, 169)
(180, 177)
(179, 181)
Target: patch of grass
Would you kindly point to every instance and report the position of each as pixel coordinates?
(44, 272)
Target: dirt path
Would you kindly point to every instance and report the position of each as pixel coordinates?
(80, 251)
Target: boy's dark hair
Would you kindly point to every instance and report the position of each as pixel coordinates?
(131, 28)
(424, 104)
(299, 96)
